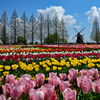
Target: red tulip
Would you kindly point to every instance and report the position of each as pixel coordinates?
(52, 74)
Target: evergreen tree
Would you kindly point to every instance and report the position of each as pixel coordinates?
(95, 34)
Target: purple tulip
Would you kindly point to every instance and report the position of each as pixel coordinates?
(69, 94)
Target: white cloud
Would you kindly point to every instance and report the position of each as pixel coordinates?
(69, 19)
(94, 11)
(90, 29)
(77, 26)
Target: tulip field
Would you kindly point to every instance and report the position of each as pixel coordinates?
(50, 72)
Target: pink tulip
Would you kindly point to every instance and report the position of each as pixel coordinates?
(86, 85)
(52, 74)
(6, 88)
(26, 75)
(96, 86)
(54, 96)
(0, 79)
(36, 95)
(63, 85)
(69, 94)
(94, 73)
(54, 81)
(2, 97)
(48, 91)
(84, 72)
(72, 74)
(10, 78)
(62, 76)
(81, 78)
(39, 80)
(16, 92)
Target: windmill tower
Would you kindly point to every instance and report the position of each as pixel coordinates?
(79, 39)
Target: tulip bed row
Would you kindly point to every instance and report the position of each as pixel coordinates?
(83, 86)
(33, 73)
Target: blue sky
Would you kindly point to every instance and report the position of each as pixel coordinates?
(76, 13)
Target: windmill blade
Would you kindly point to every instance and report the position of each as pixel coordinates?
(82, 30)
(74, 36)
(75, 30)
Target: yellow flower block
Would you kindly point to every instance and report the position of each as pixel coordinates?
(34, 63)
(59, 68)
(44, 65)
(49, 64)
(7, 67)
(14, 66)
(1, 70)
(33, 77)
(46, 78)
(2, 77)
(1, 66)
(47, 68)
(67, 64)
(54, 67)
(37, 69)
(5, 73)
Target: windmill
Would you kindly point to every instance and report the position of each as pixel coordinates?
(79, 36)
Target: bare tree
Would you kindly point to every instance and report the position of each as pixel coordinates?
(40, 28)
(63, 30)
(32, 22)
(14, 23)
(48, 26)
(4, 21)
(24, 22)
(56, 25)
(95, 34)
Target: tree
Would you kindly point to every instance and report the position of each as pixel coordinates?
(40, 28)
(24, 22)
(32, 24)
(4, 21)
(63, 30)
(48, 25)
(14, 23)
(95, 34)
(56, 25)
(51, 38)
(20, 40)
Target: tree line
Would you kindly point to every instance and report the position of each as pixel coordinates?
(45, 30)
